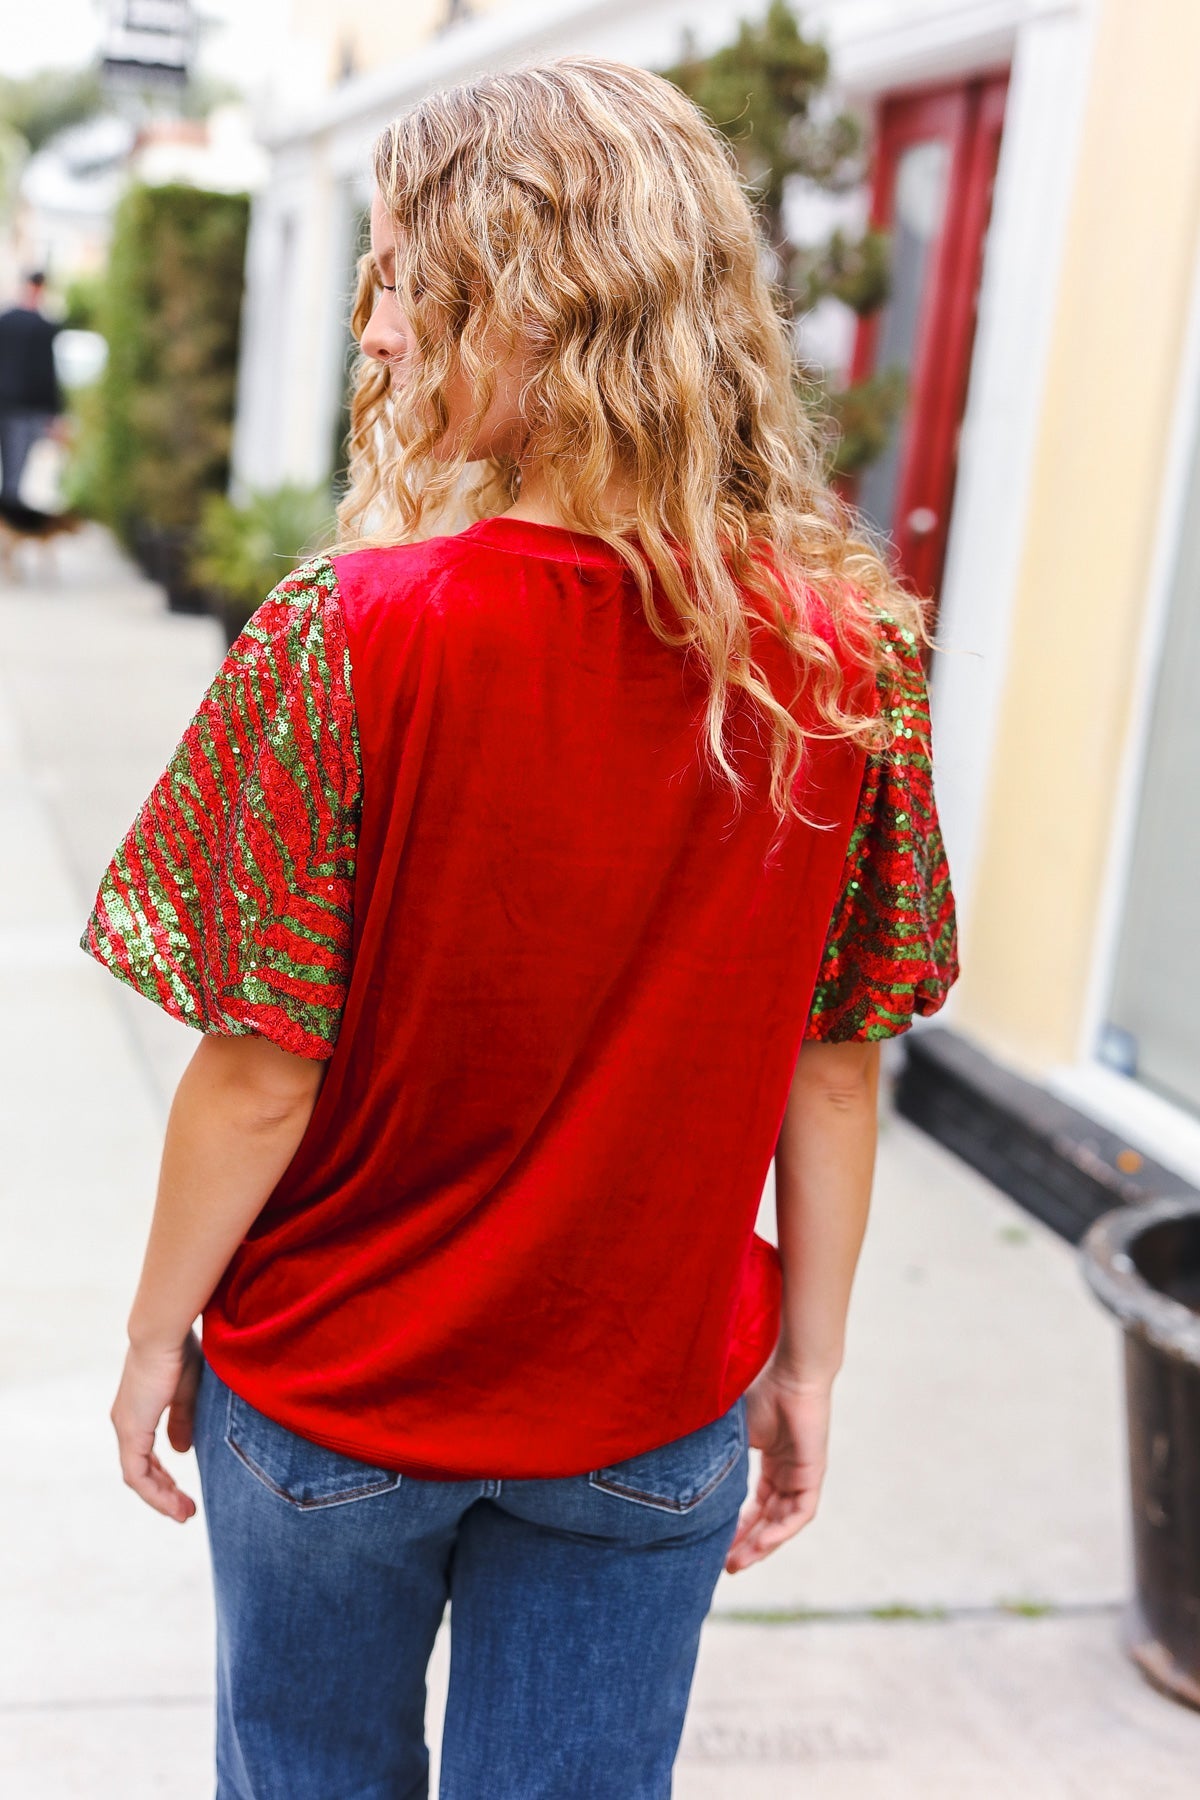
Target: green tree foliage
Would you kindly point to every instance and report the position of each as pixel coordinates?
(169, 310)
(765, 93)
(38, 106)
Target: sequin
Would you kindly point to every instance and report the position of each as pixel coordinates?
(229, 900)
(892, 948)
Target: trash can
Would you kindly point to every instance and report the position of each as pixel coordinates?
(1143, 1263)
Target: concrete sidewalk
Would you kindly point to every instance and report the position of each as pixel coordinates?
(947, 1626)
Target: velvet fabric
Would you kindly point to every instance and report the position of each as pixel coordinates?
(518, 1237)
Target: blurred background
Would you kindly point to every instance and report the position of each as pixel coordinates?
(983, 215)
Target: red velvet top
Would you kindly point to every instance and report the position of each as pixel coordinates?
(443, 819)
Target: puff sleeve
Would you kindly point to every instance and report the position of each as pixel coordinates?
(229, 902)
(891, 952)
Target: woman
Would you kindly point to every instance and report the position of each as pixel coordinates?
(533, 883)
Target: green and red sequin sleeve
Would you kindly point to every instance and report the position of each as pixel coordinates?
(892, 947)
(229, 900)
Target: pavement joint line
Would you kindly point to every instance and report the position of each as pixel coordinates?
(816, 1616)
(899, 1615)
(902, 1614)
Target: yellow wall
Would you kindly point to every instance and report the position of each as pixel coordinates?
(1124, 291)
(380, 31)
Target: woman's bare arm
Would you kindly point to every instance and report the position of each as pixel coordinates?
(237, 1118)
(824, 1168)
(239, 1112)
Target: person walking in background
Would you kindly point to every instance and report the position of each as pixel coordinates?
(548, 854)
(31, 402)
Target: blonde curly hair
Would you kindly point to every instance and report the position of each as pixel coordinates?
(586, 212)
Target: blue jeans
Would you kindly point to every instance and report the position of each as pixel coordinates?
(19, 432)
(575, 1613)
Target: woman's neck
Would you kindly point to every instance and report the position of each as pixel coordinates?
(535, 503)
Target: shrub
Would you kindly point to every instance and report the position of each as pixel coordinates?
(169, 309)
(242, 550)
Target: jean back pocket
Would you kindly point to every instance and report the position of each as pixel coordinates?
(301, 1472)
(678, 1476)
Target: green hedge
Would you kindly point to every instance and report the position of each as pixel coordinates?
(158, 437)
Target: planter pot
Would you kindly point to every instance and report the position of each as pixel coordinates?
(1143, 1262)
(183, 594)
(162, 551)
(148, 548)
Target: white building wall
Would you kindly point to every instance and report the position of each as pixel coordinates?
(1043, 116)
(293, 311)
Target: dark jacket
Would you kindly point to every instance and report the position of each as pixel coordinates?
(28, 379)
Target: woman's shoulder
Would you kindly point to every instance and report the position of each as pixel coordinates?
(297, 629)
(395, 573)
(868, 635)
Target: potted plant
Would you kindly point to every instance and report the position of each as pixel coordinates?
(243, 549)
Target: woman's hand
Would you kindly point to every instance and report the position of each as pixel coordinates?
(788, 1420)
(152, 1381)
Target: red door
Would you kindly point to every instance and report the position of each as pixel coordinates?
(935, 164)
